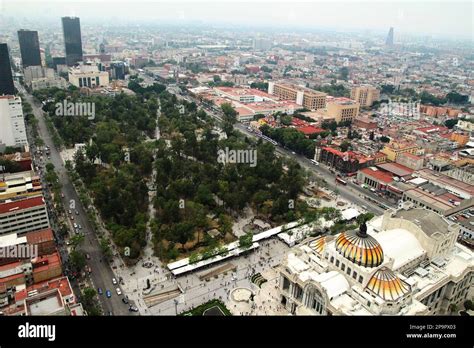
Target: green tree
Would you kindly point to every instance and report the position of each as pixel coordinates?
(246, 240)
(230, 118)
(76, 240)
(78, 260)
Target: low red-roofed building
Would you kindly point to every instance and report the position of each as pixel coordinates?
(345, 162)
(375, 178)
(14, 274)
(46, 267)
(309, 130)
(44, 239)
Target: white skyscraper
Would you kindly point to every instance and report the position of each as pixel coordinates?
(12, 123)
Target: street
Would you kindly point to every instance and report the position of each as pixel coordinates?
(102, 273)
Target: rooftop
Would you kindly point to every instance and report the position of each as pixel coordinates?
(379, 175)
(37, 237)
(428, 221)
(396, 169)
(22, 204)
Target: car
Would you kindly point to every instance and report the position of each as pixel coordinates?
(62, 195)
(76, 230)
(99, 291)
(133, 309)
(114, 281)
(77, 213)
(72, 217)
(316, 163)
(119, 292)
(75, 225)
(88, 256)
(69, 212)
(125, 300)
(108, 293)
(79, 226)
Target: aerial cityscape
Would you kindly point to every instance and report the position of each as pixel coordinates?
(183, 167)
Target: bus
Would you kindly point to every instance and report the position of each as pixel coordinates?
(341, 181)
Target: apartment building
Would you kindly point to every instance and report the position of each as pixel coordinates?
(12, 129)
(394, 149)
(23, 216)
(308, 98)
(342, 109)
(365, 95)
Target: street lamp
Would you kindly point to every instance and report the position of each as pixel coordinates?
(176, 306)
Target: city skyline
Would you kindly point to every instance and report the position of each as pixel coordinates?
(439, 18)
(237, 158)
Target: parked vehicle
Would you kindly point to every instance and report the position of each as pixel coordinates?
(108, 293)
(99, 291)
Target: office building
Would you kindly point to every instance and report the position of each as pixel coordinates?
(306, 97)
(23, 216)
(6, 79)
(29, 48)
(72, 40)
(342, 109)
(365, 95)
(38, 77)
(406, 262)
(389, 41)
(118, 70)
(88, 76)
(12, 129)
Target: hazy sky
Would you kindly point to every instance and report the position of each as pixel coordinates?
(452, 18)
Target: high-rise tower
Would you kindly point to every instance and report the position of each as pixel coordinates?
(389, 41)
(6, 79)
(29, 48)
(72, 40)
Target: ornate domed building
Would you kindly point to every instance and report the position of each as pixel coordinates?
(406, 262)
(360, 248)
(385, 284)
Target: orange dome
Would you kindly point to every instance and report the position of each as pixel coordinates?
(360, 248)
(318, 244)
(387, 285)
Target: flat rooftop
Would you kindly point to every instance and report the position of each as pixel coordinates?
(428, 221)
